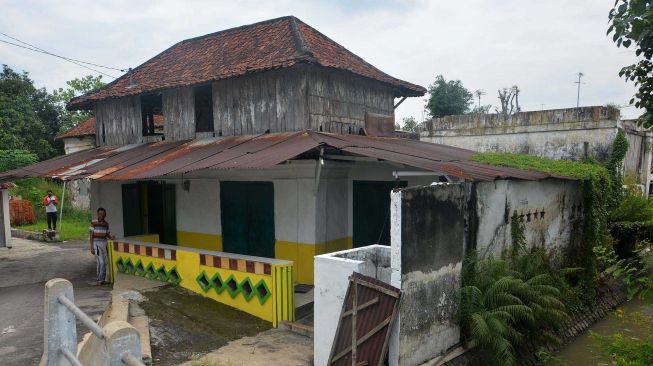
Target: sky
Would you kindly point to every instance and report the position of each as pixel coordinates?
(538, 45)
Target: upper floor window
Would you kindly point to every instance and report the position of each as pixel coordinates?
(203, 108)
(151, 106)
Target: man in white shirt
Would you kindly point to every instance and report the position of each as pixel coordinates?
(50, 202)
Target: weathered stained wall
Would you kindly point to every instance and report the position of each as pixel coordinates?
(337, 102)
(118, 121)
(272, 101)
(547, 208)
(567, 134)
(74, 144)
(429, 238)
(179, 114)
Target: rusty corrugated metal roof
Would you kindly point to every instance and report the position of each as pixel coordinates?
(161, 159)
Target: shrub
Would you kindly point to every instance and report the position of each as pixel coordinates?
(633, 207)
(504, 302)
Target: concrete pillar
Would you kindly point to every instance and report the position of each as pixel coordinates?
(59, 330)
(121, 338)
(5, 224)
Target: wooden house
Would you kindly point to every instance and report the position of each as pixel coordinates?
(278, 144)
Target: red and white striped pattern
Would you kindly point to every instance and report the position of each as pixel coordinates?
(153, 252)
(241, 265)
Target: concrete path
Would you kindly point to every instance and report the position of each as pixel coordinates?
(24, 269)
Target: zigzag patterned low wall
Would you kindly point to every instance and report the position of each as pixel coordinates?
(263, 287)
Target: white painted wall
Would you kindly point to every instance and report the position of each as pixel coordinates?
(395, 271)
(198, 209)
(294, 210)
(332, 273)
(5, 224)
(108, 195)
(75, 144)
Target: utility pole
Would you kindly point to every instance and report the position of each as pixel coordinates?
(580, 75)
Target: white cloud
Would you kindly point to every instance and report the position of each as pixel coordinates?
(538, 45)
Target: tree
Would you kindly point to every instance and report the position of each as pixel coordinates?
(448, 98)
(76, 87)
(12, 159)
(409, 124)
(631, 24)
(29, 117)
(509, 99)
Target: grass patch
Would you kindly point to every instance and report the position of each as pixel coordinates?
(74, 228)
(567, 168)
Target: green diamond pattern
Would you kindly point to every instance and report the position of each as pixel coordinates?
(129, 266)
(262, 292)
(246, 289)
(173, 276)
(139, 269)
(217, 283)
(150, 272)
(162, 274)
(203, 281)
(232, 286)
(120, 263)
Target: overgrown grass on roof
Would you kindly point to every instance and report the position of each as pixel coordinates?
(573, 169)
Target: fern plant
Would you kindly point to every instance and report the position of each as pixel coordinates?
(504, 303)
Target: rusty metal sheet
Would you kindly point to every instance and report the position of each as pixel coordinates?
(160, 159)
(379, 125)
(366, 319)
(260, 143)
(273, 154)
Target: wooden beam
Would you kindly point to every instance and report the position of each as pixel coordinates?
(399, 102)
(364, 306)
(361, 340)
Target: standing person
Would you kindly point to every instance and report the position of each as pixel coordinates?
(98, 240)
(50, 202)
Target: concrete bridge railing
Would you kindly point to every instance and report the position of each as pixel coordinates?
(118, 342)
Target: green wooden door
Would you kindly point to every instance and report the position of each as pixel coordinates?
(132, 212)
(371, 214)
(247, 211)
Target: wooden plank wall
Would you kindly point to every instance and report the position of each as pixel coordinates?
(273, 101)
(338, 100)
(179, 114)
(122, 121)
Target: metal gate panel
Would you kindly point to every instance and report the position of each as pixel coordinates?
(367, 315)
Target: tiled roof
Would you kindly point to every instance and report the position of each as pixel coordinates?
(272, 44)
(87, 128)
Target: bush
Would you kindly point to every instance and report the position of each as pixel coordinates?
(633, 207)
(502, 303)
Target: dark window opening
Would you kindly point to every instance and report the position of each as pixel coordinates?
(149, 208)
(151, 111)
(203, 108)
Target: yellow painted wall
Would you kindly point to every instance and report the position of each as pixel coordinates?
(280, 283)
(199, 240)
(302, 254)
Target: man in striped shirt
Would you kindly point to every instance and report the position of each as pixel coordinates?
(98, 237)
